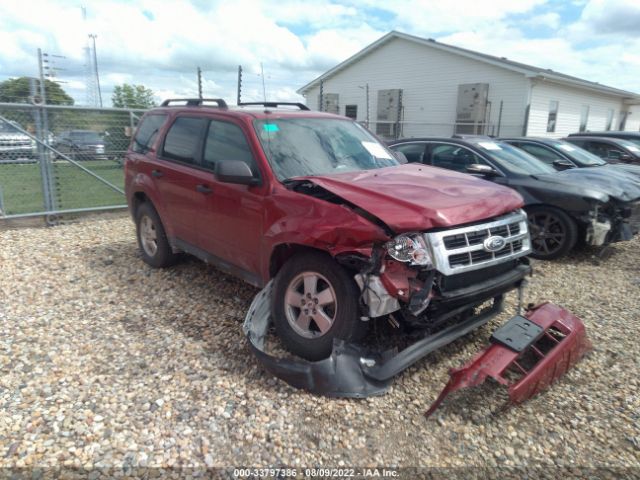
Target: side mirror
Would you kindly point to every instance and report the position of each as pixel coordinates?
(483, 170)
(235, 171)
(562, 164)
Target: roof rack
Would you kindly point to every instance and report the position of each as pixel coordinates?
(194, 102)
(301, 106)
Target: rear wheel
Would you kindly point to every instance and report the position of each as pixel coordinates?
(314, 302)
(152, 239)
(553, 232)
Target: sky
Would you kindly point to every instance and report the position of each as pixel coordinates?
(160, 44)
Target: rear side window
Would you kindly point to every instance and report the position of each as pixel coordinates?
(413, 151)
(226, 141)
(147, 132)
(542, 153)
(183, 139)
(454, 157)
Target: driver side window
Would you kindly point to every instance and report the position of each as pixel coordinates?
(454, 157)
(226, 141)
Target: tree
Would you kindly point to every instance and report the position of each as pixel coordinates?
(132, 96)
(16, 90)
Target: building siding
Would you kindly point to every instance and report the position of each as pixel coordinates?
(570, 102)
(429, 79)
(633, 120)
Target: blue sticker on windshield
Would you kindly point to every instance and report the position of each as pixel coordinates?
(270, 127)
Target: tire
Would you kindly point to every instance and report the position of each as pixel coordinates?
(553, 232)
(315, 278)
(155, 252)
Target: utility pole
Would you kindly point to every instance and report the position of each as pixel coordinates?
(264, 89)
(239, 83)
(95, 67)
(199, 83)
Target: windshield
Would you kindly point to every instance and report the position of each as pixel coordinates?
(297, 147)
(579, 155)
(629, 145)
(513, 159)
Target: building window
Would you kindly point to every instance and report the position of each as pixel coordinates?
(609, 119)
(584, 118)
(553, 116)
(351, 111)
(623, 120)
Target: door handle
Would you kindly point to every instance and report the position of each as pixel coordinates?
(157, 173)
(204, 189)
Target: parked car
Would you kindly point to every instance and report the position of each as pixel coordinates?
(630, 136)
(81, 144)
(315, 203)
(562, 155)
(613, 150)
(15, 145)
(563, 207)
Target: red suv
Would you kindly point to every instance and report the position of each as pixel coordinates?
(317, 203)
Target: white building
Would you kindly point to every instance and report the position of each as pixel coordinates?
(406, 86)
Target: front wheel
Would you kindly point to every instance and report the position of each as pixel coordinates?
(314, 302)
(553, 232)
(152, 239)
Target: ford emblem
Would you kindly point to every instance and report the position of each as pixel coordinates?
(494, 244)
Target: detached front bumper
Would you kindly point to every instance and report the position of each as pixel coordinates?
(528, 354)
(351, 370)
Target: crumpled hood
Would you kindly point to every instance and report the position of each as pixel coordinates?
(597, 179)
(415, 197)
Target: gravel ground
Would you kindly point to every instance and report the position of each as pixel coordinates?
(106, 362)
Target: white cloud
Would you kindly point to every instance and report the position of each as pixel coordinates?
(160, 44)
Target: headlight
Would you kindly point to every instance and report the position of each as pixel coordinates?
(409, 248)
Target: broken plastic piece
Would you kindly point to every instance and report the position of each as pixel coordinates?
(544, 360)
(351, 370)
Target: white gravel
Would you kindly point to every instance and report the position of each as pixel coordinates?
(106, 362)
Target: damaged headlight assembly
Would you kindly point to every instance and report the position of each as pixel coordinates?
(410, 248)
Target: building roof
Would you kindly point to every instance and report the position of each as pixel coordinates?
(503, 62)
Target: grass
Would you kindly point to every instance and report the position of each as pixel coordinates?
(21, 186)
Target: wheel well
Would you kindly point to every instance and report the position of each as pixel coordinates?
(138, 199)
(283, 252)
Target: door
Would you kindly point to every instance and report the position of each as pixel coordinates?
(231, 226)
(180, 182)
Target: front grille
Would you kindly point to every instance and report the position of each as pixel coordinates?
(462, 249)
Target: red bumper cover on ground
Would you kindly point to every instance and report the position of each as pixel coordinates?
(561, 344)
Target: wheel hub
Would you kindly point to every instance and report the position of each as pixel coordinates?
(310, 304)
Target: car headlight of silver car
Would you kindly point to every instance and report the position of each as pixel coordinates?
(410, 248)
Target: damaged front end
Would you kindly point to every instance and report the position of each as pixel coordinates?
(527, 354)
(433, 287)
(612, 222)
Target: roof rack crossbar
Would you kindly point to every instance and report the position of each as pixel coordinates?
(195, 102)
(301, 106)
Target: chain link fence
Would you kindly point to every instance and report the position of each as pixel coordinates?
(61, 159)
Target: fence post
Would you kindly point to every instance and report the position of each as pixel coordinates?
(45, 171)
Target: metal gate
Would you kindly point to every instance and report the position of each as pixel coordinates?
(59, 159)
